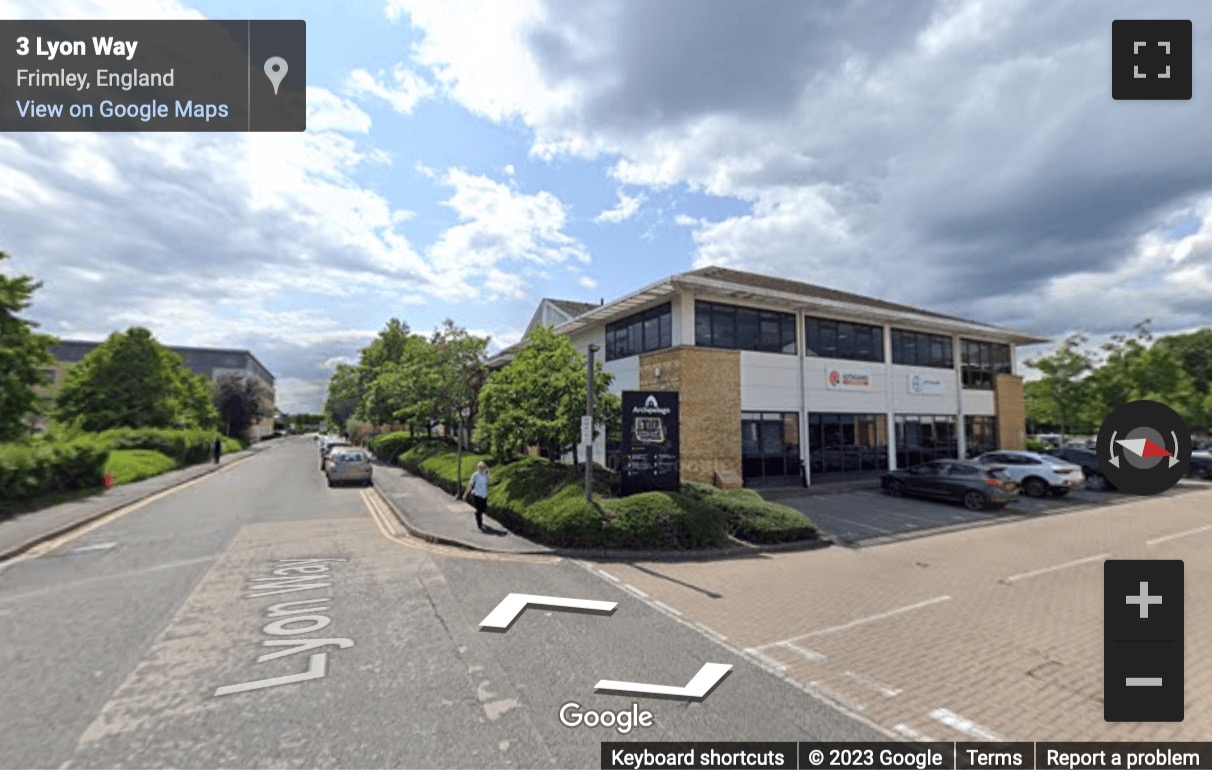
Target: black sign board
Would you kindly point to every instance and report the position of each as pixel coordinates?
(650, 441)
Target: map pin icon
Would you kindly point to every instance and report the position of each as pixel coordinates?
(275, 70)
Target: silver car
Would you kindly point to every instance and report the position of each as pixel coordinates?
(347, 466)
(1037, 474)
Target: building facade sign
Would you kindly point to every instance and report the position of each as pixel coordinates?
(923, 385)
(650, 441)
(845, 379)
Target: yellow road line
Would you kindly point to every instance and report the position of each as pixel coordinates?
(384, 519)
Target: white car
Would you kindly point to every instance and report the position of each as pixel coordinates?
(1037, 474)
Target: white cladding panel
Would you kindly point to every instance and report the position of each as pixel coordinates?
(626, 373)
(769, 381)
(922, 390)
(833, 385)
(979, 402)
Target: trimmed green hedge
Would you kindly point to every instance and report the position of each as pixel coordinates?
(545, 501)
(186, 447)
(388, 446)
(127, 465)
(36, 467)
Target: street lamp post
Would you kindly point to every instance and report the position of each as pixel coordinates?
(589, 413)
(463, 414)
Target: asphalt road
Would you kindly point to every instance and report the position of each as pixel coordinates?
(115, 643)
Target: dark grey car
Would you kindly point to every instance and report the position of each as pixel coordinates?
(976, 486)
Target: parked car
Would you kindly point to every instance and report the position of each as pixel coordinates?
(976, 486)
(327, 449)
(1037, 474)
(348, 466)
(1201, 465)
(1087, 460)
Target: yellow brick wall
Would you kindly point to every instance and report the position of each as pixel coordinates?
(1011, 411)
(708, 383)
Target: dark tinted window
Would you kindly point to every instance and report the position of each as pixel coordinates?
(640, 333)
(921, 349)
(828, 338)
(740, 328)
(982, 362)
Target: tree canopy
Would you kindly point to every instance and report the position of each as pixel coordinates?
(242, 402)
(132, 381)
(539, 398)
(24, 354)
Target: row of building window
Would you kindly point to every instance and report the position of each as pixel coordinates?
(840, 443)
(718, 325)
(640, 333)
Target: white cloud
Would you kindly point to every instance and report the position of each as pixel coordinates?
(587, 282)
(625, 209)
(328, 112)
(501, 231)
(401, 88)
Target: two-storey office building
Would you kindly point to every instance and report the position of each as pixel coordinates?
(786, 382)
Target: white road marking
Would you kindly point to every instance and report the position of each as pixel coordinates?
(812, 655)
(711, 632)
(911, 734)
(635, 590)
(608, 576)
(860, 621)
(834, 696)
(93, 547)
(1055, 567)
(1177, 535)
(883, 688)
(850, 522)
(769, 661)
(665, 607)
(965, 726)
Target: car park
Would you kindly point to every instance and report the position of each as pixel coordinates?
(348, 466)
(976, 486)
(1087, 460)
(1037, 474)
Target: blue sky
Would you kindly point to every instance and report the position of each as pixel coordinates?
(465, 159)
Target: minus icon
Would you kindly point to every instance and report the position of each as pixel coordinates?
(1144, 681)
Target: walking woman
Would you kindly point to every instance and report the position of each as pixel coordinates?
(477, 488)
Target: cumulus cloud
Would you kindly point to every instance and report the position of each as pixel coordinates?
(401, 88)
(960, 154)
(625, 209)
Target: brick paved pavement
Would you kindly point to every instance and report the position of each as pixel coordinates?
(993, 632)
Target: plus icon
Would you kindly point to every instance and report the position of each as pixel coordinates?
(1144, 600)
(1151, 59)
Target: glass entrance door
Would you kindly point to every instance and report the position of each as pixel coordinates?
(770, 445)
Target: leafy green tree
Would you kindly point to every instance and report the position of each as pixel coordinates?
(241, 402)
(132, 381)
(1063, 370)
(402, 389)
(1135, 369)
(24, 354)
(344, 395)
(1194, 350)
(539, 398)
(458, 375)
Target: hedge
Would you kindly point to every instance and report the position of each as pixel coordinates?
(186, 447)
(37, 467)
(388, 446)
(545, 501)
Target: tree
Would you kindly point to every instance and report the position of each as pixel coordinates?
(539, 398)
(458, 375)
(344, 395)
(1063, 388)
(132, 381)
(242, 402)
(1194, 350)
(24, 354)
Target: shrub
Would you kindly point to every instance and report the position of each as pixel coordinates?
(127, 465)
(231, 445)
(756, 520)
(663, 520)
(185, 447)
(1037, 446)
(389, 446)
(36, 467)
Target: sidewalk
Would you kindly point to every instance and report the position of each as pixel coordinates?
(431, 514)
(24, 531)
